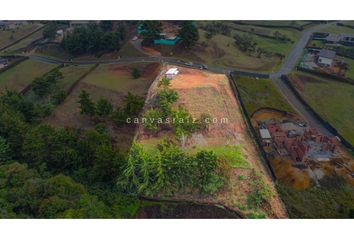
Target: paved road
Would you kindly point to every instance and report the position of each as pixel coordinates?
(286, 68)
(288, 65)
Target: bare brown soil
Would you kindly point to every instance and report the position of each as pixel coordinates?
(205, 92)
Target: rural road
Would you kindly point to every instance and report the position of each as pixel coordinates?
(288, 65)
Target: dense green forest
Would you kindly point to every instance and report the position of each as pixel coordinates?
(48, 172)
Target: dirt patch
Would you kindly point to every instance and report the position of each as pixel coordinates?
(206, 92)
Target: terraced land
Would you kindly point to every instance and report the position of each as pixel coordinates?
(21, 75)
(112, 82)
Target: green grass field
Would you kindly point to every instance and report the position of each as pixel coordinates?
(221, 50)
(25, 42)
(11, 35)
(19, 76)
(319, 202)
(259, 93)
(273, 23)
(71, 74)
(333, 100)
(338, 29)
(232, 154)
(350, 71)
(118, 77)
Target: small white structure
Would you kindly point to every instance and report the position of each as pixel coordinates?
(171, 73)
(326, 57)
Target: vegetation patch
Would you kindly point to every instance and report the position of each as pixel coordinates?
(260, 93)
(333, 100)
(20, 76)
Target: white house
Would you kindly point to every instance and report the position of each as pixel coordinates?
(325, 57)
(171, 73)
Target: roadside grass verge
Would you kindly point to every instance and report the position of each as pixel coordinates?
(261, 93)
(21, 75)
(333, 100)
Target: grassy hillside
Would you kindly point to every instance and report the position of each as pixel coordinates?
(259, 93)
(11, 35)
(333, 100)
(19, 76)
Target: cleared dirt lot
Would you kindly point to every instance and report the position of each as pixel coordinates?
(205, 92)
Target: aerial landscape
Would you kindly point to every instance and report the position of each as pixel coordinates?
(146, 119)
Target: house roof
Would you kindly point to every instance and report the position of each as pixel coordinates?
(264, 133)
(327, 53)
(3, 60)
(173, 71)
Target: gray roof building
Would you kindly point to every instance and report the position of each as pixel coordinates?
(327, 53)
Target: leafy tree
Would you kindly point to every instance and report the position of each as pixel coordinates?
(50, 31)
(111, 41)
(152, 117)
(87, 106)
(133, 104)
(183, 124)
(103, 107)
(164, 82)
(107, 164)
(188, 33)
(43, 85)
(136, 73)
(106, 25)
(58, 97)
(119, 116)
(17, 103)
(151, 31)
(245, 43)
(4, 151)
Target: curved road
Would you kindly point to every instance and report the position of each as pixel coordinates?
(286, 68)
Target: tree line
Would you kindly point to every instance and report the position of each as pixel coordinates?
(94, 38)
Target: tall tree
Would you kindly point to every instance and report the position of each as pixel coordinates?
(87, 106)
(104, 107)
(188, 33)
(150, 31)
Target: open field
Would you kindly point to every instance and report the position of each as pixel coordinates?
(98, 84)
(221, 50)
(118, 77)
(11, 35)
(333, 200)
(273, 23)
(338, 29)
(19, 76)
(204, 92)
(71, 73)
(260, 93)
(25, 42)
(333, 100)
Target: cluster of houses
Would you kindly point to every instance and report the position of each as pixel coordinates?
(335, 39)
(301, 143)
(168, 36)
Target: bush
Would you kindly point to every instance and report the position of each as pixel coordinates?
(136, 73)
